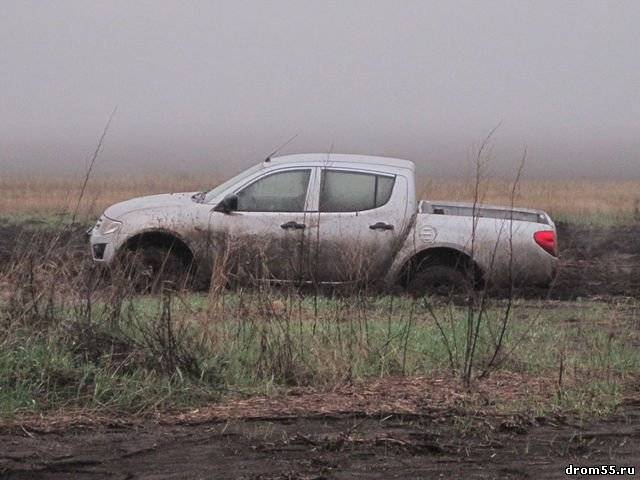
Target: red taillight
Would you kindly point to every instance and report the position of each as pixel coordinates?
(547, 240)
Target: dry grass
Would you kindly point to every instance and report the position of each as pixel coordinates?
(561, 198)
(59, 194)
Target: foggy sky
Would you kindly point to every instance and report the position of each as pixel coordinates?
(214, 86)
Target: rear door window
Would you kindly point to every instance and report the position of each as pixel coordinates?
(342, 191)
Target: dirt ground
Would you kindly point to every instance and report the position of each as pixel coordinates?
(338, 446)
(598, 262)
(421, 427)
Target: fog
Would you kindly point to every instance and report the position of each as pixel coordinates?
(215, 86)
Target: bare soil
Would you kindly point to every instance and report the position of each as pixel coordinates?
(392, 428)
(598, 261)
(436, 444)
(595, 262)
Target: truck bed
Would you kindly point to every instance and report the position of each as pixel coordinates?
(482, 211)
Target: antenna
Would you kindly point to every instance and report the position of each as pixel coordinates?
(268, 159)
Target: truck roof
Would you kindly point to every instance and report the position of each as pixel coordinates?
(333, 158)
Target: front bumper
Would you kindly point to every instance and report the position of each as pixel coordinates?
(102, 247)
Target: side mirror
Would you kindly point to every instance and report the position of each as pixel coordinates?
(227, 205)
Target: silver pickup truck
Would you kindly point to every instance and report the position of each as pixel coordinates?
(329, 219)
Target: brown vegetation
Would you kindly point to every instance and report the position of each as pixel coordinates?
(21, 194)
(558, 197)
(57, 194)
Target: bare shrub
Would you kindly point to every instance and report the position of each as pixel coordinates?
(88, 340)
(482, 325)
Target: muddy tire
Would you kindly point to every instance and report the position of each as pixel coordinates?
(439, 280)
(151, 269)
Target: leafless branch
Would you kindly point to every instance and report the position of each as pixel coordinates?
(92, 163)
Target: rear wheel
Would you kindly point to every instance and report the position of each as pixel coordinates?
(440, 280)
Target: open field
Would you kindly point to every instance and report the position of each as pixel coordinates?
(598, 202)
(152, 357)
(273, 384)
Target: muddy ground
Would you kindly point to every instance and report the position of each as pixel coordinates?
(598, 261)
(345, 446)
(411, 428)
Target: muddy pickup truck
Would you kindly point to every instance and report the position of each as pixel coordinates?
(327, 219)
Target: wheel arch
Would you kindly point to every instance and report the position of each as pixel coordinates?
(442, 255)
(159, 238)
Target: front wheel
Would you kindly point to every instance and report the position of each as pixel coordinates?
(150, 269)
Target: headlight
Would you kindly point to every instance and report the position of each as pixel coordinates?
(106, 226)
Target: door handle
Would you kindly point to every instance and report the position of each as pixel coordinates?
(381, 226)
(294, 225)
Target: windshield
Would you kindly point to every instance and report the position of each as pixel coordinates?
(212, 194)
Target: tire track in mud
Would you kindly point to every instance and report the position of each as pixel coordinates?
(596, 261)
(335, 447)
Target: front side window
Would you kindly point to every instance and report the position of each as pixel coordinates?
(278, 192)
(353, 191)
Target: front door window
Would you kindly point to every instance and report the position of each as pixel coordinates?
(278, 192)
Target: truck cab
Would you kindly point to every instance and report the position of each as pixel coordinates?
(318, 218)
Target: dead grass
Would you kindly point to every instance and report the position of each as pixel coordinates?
(51, 195)
(503, 393)
(562, 198)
